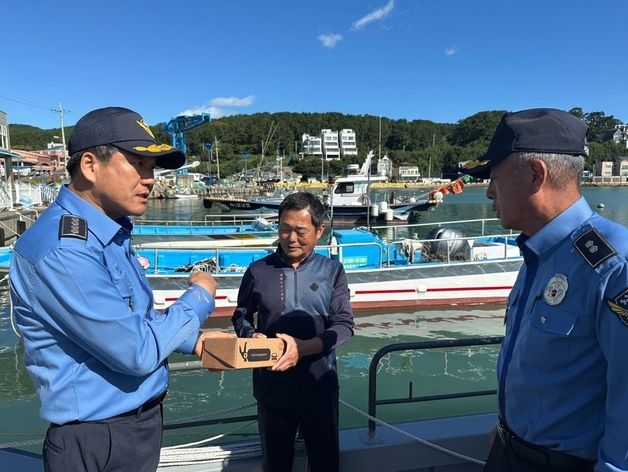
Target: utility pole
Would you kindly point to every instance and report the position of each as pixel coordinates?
(64, 159)
(217, 160)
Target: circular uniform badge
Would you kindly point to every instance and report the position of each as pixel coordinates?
(556, 289)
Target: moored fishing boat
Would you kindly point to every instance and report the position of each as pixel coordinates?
(444, 268)
(348, 201)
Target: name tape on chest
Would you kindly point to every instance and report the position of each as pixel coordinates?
(592, 246)
(72, 226)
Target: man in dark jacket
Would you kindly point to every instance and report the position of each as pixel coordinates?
(303, 298)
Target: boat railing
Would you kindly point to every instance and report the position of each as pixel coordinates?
(236, 219)
(373, 401)
(353, 255)
(453, 246)
(407, 228)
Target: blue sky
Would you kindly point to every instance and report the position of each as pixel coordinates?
(439, 60)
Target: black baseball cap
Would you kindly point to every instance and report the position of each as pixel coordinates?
(535, 130)
(126, 130)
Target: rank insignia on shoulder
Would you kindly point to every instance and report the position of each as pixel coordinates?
(72, 226)
(592, 246)
(619, 306)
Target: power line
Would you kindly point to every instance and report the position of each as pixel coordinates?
(24, 101)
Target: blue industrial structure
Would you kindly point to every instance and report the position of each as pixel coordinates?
(182, 123)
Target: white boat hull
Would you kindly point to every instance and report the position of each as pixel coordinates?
(465, 283)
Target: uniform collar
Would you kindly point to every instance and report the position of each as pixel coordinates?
(559, 228)
(103, 227)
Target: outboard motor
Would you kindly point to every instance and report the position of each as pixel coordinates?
(449, 246)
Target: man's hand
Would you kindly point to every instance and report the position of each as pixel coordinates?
(204, 280)
(198, 349)
(290, 356)
(295, 350)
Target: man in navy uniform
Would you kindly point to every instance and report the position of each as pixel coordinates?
(303, 298)
(94, 345)
(563, 384)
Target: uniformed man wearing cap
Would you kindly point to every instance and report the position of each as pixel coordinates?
(94, 345)
(562, 378)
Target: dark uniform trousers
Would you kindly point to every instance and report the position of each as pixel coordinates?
(129, 442)
(317, 425)
(510, 453)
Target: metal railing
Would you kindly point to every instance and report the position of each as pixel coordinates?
(373, 402)
(448, 343)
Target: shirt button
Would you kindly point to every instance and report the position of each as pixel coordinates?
(543, 319)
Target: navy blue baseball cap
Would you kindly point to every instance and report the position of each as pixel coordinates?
(126, 130)
(536, 130)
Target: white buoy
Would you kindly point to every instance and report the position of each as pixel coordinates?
(375, 210)
(389, 215)
(383, 206)
(600, 205)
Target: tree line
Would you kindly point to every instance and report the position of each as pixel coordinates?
(436, 148)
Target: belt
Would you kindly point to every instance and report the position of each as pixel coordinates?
(540, 455)
(152, 403)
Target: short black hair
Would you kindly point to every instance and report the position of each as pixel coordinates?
(302, 201)
(104, 153)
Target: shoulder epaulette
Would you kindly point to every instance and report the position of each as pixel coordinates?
(72, 226)
(593, 247)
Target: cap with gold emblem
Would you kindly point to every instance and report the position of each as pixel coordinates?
(545, 130)
(126, 130)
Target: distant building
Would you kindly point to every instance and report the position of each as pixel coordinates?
(620, 167)
(311, 145)
(384, 166)
(348, 146)
(409, 174)
(617, 135)
(331, 147)
(604, 169)
(4, 132)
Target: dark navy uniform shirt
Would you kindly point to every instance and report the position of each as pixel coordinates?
(311, 300)
(562, 370)
(93, 344)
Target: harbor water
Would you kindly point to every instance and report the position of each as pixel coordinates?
(195, 393)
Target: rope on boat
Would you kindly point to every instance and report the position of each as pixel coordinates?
(421, 441)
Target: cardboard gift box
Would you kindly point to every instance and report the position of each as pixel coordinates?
(241, 353)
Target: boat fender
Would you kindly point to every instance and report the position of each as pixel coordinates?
(333, 243)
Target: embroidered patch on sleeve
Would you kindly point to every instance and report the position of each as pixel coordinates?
(619, 306)
(72, 226)
(592, 246)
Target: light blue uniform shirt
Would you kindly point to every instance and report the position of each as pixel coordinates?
(93, 344)
(563, 365)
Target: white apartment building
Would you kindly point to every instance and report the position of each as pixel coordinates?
(348, 146)
(331, 147)
(409, 174)
(311, 145)
(621, 167)
(604, 169)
